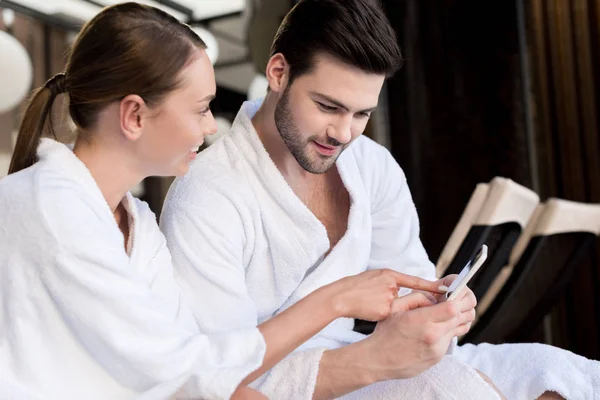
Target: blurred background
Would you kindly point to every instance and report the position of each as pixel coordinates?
(488, 88)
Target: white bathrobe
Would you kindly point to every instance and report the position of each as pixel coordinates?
(81, 317)
(245, 247)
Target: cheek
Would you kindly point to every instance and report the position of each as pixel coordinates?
(358, 127)
(179, 130)
(169, 136)
(312, 123)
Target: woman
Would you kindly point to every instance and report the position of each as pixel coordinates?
(90, 308)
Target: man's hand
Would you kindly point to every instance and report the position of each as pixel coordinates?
(416, 336)
(466, 296)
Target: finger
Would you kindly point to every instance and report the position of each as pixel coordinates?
(439, 297)
(464, 297)
(462, 330)
(432, 297)
(446, 340)
(414, 282)
(467, 300)
(466, 317)
(446, 312)
(466, 292)
(410, 302)
(447, 280)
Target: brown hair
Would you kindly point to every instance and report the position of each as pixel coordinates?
(355, 32)
(126, 49)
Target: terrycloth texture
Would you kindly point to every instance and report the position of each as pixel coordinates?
(294, 385)
(448, 380)
(434, 383)
(245, 248)
(82, 319)
(527, 370)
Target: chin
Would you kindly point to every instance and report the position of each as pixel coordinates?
(317, 167)
(181, 170)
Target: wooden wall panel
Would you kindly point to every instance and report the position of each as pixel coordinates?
(564, 54)
(459, 115)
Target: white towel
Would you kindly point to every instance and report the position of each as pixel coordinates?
(526, 371)
(448, 380)
(245, 247)
(81, 318)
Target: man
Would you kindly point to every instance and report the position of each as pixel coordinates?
(294, 198)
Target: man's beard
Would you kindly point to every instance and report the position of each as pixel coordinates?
(292, 138)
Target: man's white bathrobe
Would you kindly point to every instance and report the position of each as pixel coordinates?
(245, 247)
(81, 317)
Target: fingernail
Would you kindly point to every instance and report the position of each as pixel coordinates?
(443, 288)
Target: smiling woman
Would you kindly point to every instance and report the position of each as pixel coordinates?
(139, 86)
(141, 81)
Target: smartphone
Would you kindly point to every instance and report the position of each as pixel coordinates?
(467, 273)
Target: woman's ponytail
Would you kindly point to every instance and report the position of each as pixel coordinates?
(37, 114)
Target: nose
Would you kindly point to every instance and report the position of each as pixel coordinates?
(342, 131)
(211, 126)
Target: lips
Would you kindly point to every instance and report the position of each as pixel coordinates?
(325, 149)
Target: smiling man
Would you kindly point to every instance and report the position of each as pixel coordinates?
(295, 198)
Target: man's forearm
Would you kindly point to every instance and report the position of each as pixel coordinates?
(342, 371)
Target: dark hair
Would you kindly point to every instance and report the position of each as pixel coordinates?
(356, 32)
(127, 48)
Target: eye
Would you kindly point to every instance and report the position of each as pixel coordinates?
(363, 115)
(326, 108)
(205, 111)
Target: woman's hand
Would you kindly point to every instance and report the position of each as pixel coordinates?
(369, 295)
(245, 393)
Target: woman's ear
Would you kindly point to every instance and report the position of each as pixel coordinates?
(133, 109)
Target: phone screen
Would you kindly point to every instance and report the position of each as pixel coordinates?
(467, 272)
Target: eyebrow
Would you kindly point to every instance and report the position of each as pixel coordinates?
(339, 104)
(210, 97)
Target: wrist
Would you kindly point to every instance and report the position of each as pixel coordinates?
(366, 356)
(334, 300)
(340, 372)
(357, 360)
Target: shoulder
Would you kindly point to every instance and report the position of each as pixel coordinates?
(21, 207)
(49, 207)
(366, 149)
(376, 165)
(372, 159)
(212, 182)
(18, 185)
(44, 189)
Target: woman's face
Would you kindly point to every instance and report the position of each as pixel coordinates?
(177, 127)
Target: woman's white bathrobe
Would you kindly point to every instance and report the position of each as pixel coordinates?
(245, 247)
(81, 318)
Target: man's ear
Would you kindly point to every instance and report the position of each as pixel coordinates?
(133, 109)
(278, 72)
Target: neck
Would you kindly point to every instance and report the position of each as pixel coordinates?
(264, 124)
(112, 174)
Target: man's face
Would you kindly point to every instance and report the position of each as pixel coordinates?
(323, 111)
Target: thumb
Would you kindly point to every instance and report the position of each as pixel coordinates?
(412, 301)
(447, 280)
